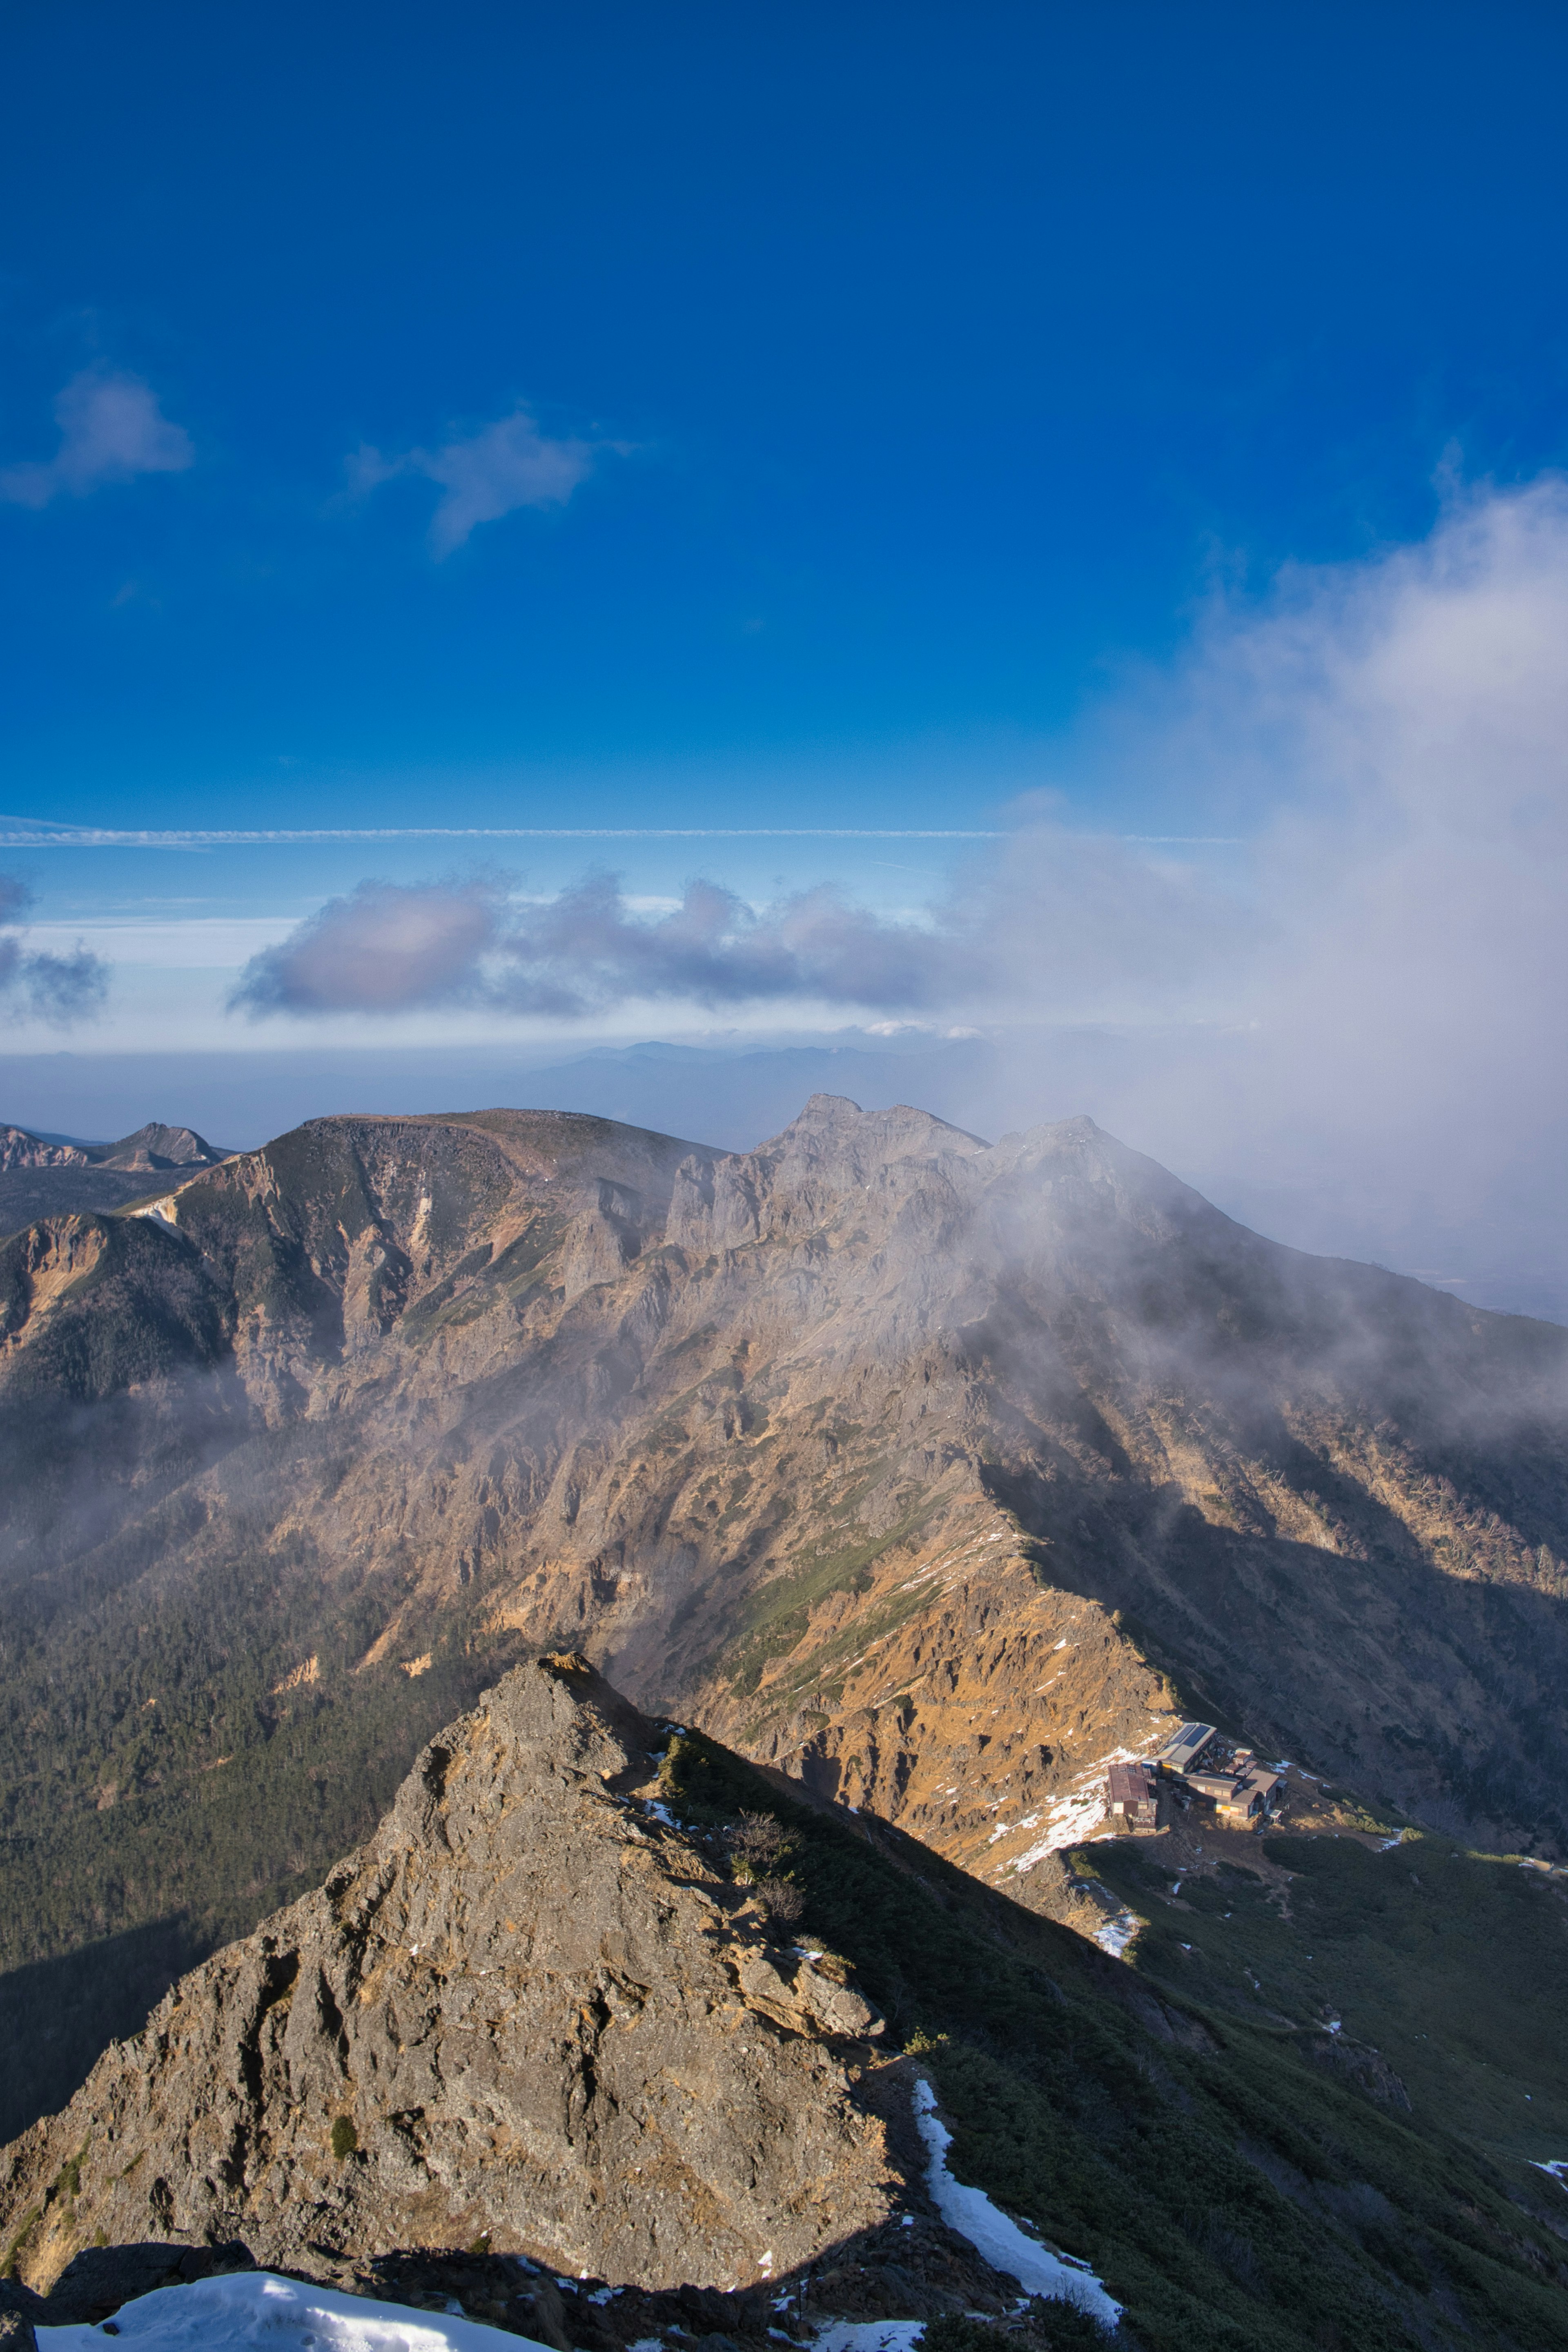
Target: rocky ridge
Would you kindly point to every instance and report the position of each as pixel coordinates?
(540, 2025)
(529, 2015)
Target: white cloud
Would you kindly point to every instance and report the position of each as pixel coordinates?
(489, 474)
(111, 430)
(398, 948)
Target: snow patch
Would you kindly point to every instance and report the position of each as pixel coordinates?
(870, 2335)
(1069, 1822)
(1557, 2166)
(279, 2315)
(1116, 1933)
(971, 2212)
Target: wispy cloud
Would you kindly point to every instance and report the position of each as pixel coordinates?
(484, 475)
(60, 990)
(111, 430)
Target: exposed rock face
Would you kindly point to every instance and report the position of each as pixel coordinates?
(528, 2013)
(932, 1471)
(19, 1148)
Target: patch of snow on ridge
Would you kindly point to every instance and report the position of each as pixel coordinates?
(1118, 1933)
(1073, 1817)
(1068, 1822)
(1003, 2245)
(870, 2335)
(279, 2315)
(1557, 2166)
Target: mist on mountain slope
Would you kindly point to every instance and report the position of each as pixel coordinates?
(636, 1394)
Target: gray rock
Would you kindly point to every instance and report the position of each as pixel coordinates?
(527, 2016)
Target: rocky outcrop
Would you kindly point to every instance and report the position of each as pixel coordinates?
(528, 2016)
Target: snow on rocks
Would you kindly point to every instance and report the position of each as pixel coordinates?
(988, 2229)
(870, 2335)
(1118, 1933)
(279, 2315)
(1073, 1816)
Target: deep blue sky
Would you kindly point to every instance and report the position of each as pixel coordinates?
(951, 348)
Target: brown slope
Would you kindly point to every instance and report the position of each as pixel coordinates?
(933, 1469)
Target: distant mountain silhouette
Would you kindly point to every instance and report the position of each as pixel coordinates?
(43, 1176)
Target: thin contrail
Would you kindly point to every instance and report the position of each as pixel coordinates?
(21, 832)
(26, 833)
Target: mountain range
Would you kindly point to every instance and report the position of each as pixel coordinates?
(930, 1474)
(41, 1175)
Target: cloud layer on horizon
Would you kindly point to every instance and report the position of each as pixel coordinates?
(390, 947)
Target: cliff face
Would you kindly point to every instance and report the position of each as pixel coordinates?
(932, 1471)
(530, 2013)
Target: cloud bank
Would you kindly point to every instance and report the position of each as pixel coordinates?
(489, 474)
(60, 990)
(111, 430)
(390, 946)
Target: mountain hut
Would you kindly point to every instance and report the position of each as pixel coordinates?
(1132, 1796)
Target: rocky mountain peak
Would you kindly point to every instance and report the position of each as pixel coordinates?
(531, 2012)
(158, 1147)
(840, 1125)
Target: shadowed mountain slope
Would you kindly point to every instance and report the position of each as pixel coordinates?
(441, 2048)
(931, 1471)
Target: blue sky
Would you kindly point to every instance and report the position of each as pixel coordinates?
(738, 434)
(948, 348)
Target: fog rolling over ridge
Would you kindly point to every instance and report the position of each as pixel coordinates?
(929, 1469)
